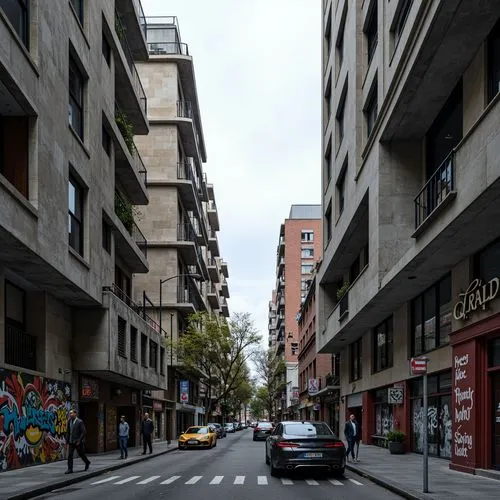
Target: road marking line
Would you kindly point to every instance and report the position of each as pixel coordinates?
(193, 480)
(286, 481)
(239, 480)
(170, 480)
(131, 478)
(149, 480)
(111, 478)
(335, 482)
(356, 482)
(216, 480)
(312, 482)
(262, 480)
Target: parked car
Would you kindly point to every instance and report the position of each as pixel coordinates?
(238, 426)
(229, 426)
(198, 437)
(262, 431)
(299, 445)
(221, 432)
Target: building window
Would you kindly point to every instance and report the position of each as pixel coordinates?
(106, 141)
(106, 235)
(383, 345)
(328, 164)
(328, 36)
(328, 101)
(153, 355)
(307, 253)
(400, 20)
(371, 108)
(355, 354)
(494, 353)
(307, 235)
(431, 317)
(306, 268)
(371, 30)
(340, 115)
(341, 191)
(383, 412)
(328, 224)
(76, 82)
(133, 344)
(106, 49)
(144, 350)
(355, 269)
(162, 361)
(122, 337)
(78, 7)
(340, 39)
(487, 262)
(17, 13)
(494, 62)
(75, 205)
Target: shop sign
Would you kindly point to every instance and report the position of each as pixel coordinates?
(313, 387)
(89, 389)
(396, 395)
(295, 393)
(184, 392)
(157, 406)
(477, 296)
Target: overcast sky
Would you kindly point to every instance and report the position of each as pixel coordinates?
(258, 72)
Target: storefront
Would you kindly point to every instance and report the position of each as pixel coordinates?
(158, 419)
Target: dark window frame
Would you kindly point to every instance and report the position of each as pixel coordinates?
(328, 224)
(400, 19)
(106, 235)
(76, 98)
(340, 186)
(339, 44)
(22, 27)
(384, 330)
(356, 360)
(106, 140)
(371, 108)
(493, 62)
(328, 164)
(106, 50)
(122, 337)
(340, 114)
(144, 349)
(153, 355)
(162, 360)
(78, 7)
(77, 218)
(480, 270)
(371, 30)
(133, 344)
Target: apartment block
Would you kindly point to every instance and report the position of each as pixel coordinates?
(181, 221)
(299, 246)
(411, 183)
(71, 184)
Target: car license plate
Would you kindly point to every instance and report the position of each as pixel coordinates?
(192, 441)
(313, 455)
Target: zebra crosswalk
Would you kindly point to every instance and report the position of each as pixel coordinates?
(221, 480)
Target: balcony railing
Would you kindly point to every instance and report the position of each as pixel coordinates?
(136, 81)
(185, 171)
(125, 212)
(435, 190)
(139, 239)
(142, 17)
(344, 305)
(20, 348)
(168, 48)
(141, 168)
(185, 232)
(185, 109)
(186, 293)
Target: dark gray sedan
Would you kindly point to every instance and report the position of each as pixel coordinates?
(304, 445)
(262, 431)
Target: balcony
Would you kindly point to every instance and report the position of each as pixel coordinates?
(280, 284)
(211, 193)
(280, 347)
(20, 348)
(188, 245)
(224, 307)
(213, 216)
(213, 296)
(189, 297)
(108, 343)
(437, 192)
(281, 265)
(129, 89)
(134, 22)
(214, 270)
(223, 268)
(130, 243)
(225, 288)
(188, 185)
(213, 243)
(204, 188)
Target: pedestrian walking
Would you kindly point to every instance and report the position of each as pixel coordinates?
(76, 440)
(350, 433)
(123, 434)
(147, 429)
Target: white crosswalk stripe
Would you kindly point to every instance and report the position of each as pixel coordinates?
(335, 482)
(193, 480)
(286, 481)
(262, 480)
(312, 482)
(239, 480)
(110, 478)
(356, 482)
(131, 478)
(170, 480)
(149, 480)
(217, 480)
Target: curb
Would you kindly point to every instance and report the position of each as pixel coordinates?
(388, 485)
(80, 478)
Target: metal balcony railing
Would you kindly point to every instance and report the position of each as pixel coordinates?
(141, 16)
(185, 171)
(186, 232)
(124, 211)
(435, 190)
(344, 305)
(186, 293)
(185, 109)
(139, 239)
(140, 167)
(168, 48)
(136, 81)
(20, 348)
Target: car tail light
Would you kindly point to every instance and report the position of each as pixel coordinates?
(256, 429)
(287, 444)
(337, 444)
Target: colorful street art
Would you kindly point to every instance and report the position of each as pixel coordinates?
(33, 419)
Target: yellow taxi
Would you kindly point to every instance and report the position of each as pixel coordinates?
(198, 437)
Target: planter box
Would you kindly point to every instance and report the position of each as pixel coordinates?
(396, 448)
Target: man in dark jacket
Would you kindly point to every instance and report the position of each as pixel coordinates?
(76, 440)
(147, 429)
(351, 431)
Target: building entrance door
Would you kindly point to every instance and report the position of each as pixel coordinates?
(496, 420)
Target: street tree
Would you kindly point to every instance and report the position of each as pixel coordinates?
(217, 351)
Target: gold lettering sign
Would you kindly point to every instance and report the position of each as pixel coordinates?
(476, 296)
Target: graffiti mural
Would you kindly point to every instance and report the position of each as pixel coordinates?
(33, 419)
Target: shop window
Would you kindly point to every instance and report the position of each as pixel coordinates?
(383, 412)
(355, 360)
(494, 353)
(431, 317)
(383, 345)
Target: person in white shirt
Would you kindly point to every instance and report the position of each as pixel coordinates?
(123, 435)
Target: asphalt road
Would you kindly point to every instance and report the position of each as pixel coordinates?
(234, 469)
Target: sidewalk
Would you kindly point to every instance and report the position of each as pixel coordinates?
(403, 475)
(32, 481)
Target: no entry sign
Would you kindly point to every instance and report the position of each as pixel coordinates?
(418, 366)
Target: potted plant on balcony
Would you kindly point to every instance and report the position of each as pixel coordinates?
(396, 441)
(342, 290)
(126, 128)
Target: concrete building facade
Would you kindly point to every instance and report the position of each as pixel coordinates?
(181, 221)
(410, 189)
(298, 248)
(70, 177)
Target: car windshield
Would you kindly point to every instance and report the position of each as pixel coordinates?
(307, 429)
(197, 430)
(265, 425)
